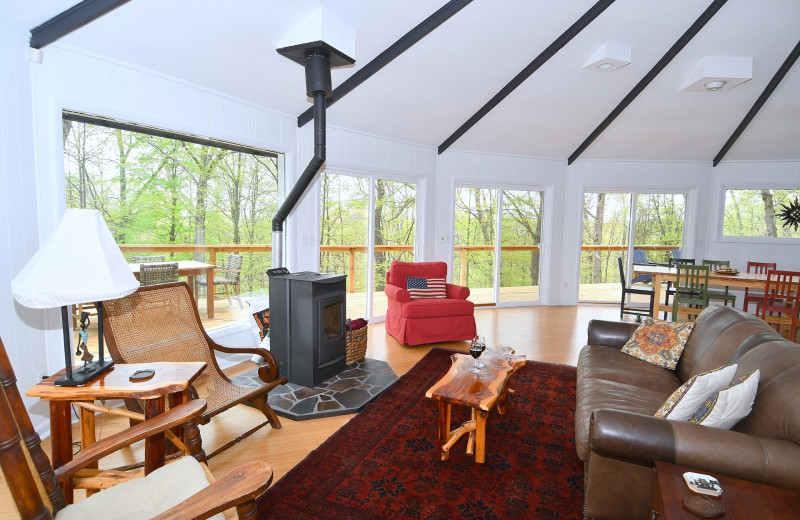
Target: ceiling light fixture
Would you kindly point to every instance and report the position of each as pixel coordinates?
(714, 73)
(605, 65)
(609, 57)
(714, 85)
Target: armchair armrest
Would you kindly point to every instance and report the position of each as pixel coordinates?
(268, 370)
(457, 292)
(241, 485)
(610, 333)
(165, 421)
(643, 439)
(397, 293)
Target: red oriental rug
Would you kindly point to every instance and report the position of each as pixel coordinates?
(384, 462)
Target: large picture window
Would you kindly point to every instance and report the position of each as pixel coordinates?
(169, 197)
(756, 213)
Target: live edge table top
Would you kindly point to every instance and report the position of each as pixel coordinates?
(479, 391)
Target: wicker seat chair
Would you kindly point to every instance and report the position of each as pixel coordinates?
(148, 259)
(161, 323)
(152, 274)
(229, 274)
(183, 489)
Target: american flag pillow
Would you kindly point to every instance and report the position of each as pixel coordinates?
(425, 287)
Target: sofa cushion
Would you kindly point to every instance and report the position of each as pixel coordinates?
(730, 405)
(437, 307)
(659, 342)
(399, 271)
(685, 401)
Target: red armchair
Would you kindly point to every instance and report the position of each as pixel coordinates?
(427, 320)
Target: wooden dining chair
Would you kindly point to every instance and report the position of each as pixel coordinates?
(183, 489)
(630, 309)
(723, 296)
(691, 288)
(161, 323)
(756, 296)
(670, 290)
(781, 302)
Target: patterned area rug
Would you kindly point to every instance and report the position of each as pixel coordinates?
(384, 463)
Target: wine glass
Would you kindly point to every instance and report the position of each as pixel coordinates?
(476, 348)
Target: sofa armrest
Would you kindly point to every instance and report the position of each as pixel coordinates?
(610, 333)
(643, 439)
(397, 293)
(457, 292)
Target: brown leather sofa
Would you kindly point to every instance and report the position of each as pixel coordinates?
(619, 440)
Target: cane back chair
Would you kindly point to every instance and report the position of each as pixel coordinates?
(184, 489)
(161, 323)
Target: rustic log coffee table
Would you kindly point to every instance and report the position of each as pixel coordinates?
(480, 392)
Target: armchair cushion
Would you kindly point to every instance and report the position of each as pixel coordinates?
(145, 497)
(436, 307)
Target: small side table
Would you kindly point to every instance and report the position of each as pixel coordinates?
(480, 392)
(169, 383)
(742, 499)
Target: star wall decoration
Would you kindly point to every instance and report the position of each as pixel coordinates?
(790, 214)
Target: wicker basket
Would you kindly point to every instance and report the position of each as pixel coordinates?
(356, 345)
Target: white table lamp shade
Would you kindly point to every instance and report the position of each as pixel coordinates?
(81, 262)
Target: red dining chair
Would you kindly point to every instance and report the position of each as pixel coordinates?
(756, 297)
(782, 300)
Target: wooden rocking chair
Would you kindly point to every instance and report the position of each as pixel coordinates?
(161, 323)
(185, 488)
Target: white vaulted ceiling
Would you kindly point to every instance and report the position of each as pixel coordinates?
(429, 91)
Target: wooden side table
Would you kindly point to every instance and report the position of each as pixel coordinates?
(169, 383)
(742, 499)
(480, 392)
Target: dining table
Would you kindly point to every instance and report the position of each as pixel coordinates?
(190, 269)
(661, 273)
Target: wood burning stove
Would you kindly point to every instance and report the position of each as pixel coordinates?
(307, 315)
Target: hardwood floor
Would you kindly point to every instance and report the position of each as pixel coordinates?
(551, 334)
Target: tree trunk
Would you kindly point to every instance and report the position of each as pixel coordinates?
(597, 270)
(769, 213)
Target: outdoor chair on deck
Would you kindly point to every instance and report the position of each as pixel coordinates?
(153, 274)
(756, 296)
(640, 258)
(161, 323)
(182, 489)
(722, 296)
(637, 311)
(229, 274)
(148, 259)
(691, 288)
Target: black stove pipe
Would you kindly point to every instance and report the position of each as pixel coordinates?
(318, 86)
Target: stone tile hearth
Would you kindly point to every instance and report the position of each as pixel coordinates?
(347, 392)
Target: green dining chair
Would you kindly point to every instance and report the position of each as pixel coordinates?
(723, 296)
(691, 287)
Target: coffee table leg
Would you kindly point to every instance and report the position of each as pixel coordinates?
(444, 429)
(153, 445)
(480, 436)
(471, 437)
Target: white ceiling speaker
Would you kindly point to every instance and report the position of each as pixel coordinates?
(609, 57)
(715, 73)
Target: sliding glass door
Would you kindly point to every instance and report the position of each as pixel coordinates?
(495, 271)
(365, 224)
(637, 227)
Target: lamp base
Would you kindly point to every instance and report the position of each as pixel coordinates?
(84, 374)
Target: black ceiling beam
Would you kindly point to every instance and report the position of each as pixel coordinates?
(70, 20)
(393, 51)
(770, 88)
(520, 78)
(650, 76)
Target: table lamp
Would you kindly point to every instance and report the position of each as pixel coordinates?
(81, 262)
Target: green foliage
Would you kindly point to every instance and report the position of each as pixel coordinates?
(154, 190)
(754, 213)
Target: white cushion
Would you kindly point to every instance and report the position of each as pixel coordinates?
(684, 401)
(730, 405)
(143, 498)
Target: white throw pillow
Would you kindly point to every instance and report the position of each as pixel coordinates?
(730, 405)
(684, 401)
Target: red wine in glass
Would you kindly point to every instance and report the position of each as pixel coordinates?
(476, 348)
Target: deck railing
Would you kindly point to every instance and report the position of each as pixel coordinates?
(213, 249)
